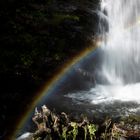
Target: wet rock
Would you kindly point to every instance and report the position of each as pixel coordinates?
(129, 127)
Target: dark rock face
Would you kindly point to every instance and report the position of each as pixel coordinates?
(37, 37)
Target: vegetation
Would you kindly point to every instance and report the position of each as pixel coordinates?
(51, 126)
(36, 38)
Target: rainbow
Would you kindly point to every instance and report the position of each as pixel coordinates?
(54, 80)
(48, 87)
(61, 73)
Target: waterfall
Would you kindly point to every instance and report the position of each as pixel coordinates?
(118, 78)
(120, 68)
(121, 51)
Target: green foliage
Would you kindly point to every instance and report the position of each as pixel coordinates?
(92, 129)
(75, 129)
(64, 133)
(72, 130)
(26, 38)
(66, 16)
(26, 60)
(58, 18)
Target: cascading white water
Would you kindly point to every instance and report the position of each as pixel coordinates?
(121, 52)
(120, 68)
(121, 62)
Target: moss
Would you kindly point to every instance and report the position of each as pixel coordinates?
(26, 60)
(131, 119)
(26, 38)
(58, 18)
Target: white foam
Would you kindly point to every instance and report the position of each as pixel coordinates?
(24, 136)
(111, 93)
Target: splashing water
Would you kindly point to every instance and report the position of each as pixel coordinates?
(120, 68)
(121, 62)
(121, 51)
